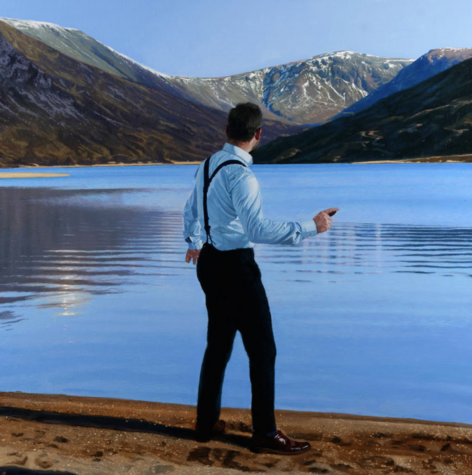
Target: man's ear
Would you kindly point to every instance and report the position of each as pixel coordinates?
(258, 133)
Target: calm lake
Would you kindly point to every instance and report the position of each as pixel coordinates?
(372, 317)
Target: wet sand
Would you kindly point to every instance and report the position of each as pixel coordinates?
(86, 436)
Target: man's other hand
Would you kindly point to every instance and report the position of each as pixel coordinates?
(192, 255)
(323, 220)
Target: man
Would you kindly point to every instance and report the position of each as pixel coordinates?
(226, 204)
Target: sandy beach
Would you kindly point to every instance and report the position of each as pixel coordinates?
(10, 174)
(467, 158)
(30, 175)
(109, 164)
(61, 434)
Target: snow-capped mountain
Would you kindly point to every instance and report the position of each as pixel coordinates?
(430, 121)
(303, 92)
(56, 109)
(82, 47)
(426, 66)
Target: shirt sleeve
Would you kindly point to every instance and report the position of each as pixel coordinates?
(247, 201)
(192, 228)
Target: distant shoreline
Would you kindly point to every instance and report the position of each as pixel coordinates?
(412, 160)
(30, 175)
(10, 174)
(138, 164)
(436, 159)
(466, 158)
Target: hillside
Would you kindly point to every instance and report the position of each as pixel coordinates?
(302, 92)
(426, 66)
(56, 110)
(433, 118)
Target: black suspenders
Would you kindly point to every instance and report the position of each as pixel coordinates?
(206, 185)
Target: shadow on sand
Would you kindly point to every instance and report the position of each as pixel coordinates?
(115, 423)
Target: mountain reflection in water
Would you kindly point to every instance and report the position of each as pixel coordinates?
(58, 250)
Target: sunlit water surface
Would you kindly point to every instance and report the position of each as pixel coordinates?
(372, 317)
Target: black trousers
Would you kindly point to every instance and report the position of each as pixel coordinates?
(236, 301)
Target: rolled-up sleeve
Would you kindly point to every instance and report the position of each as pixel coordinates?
(247, 201)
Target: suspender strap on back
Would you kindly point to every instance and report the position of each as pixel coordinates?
(206, 184)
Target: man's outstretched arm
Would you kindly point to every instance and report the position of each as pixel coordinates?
(247, 201)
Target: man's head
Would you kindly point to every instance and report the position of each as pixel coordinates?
(244, 124)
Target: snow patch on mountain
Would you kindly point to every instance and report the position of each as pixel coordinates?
(78, 45)
(433, 62)
(25, 25)
(132, 61)
(304, 91)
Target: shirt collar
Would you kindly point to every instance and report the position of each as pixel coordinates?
(239, 152)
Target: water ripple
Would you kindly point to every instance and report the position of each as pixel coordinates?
(58, 246)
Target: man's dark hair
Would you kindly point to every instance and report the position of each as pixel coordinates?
(243, 121)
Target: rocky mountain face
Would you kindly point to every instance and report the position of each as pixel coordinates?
(56, 109)
(303, 92)
(426, 66)
(431, 119)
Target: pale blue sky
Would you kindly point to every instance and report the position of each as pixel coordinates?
(207, 38)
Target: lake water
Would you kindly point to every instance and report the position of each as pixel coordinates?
(372, 317)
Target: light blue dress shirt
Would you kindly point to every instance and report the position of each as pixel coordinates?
(235, 209)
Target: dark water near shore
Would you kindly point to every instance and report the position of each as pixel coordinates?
(373, 317)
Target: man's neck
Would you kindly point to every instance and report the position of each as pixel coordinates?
(247, 146)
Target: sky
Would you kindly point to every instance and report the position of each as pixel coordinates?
(212, 38)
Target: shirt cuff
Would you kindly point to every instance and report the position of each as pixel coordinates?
(308, 228)
(193, 246)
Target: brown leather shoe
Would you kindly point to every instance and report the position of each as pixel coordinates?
(206, 435)
(279, 444)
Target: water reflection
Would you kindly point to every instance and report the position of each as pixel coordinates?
(8, 317)
(56, 246)
(60, 247)
(364, 248)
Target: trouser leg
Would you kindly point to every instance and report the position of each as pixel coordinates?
(255, 325)
(220, 338)
(258, 339)
(236, 300)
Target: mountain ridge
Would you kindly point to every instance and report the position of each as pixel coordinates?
(55, 110)
(127, 112)
(328, 82)
(426, 66)
(303, 92)
(430, 119)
